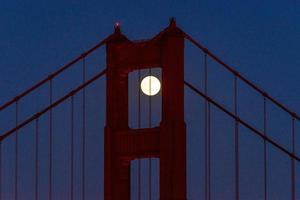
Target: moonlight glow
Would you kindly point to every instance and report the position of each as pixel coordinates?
(150, 85)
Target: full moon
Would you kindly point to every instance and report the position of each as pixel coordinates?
(150, 85)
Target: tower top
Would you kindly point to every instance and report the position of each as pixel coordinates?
(117, 27)
(172, 22)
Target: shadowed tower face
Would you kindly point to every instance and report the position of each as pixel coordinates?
(167, 141)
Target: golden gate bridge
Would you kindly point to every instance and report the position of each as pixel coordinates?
(61, 150)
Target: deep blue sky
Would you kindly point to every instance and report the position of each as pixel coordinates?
(260, 38)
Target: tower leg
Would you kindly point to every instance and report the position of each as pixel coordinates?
(172, 162)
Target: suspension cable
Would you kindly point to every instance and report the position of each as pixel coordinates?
(205, 130)
(50, 137)
(1, 170)
(245, 80)
(263, 135)
(54, 104)
(139, 126)
(293, 173)
(83, 127)
(72, 150)
(54, 74)
(36, 158)
(16, 150)
(236, 135)
(265, 151)
(150, 123)
(242, 122)
(208, 149)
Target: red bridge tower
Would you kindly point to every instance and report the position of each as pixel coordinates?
(166, 142)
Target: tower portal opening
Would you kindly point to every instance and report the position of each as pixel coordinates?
(144, 179)
(144, 107)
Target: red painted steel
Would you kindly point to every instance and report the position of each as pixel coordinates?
(166, 142)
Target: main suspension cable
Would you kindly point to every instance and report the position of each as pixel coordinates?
(53, 75)
(54, 104)
(245, 80)
(244, 123)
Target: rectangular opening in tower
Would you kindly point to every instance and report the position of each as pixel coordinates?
(144, 179)
(144, 98)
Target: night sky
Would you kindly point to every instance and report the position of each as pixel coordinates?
(259, 38)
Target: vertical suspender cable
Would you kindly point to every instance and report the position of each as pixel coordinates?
(83, 129)
(208, 149)
(36, 158)
(1, 167)
(265, 151)
(72, 151)
(139, 126)
(50, 138)
(205, 129)
(150, 122)
(237, 161)
(293, 162)
(16, 152)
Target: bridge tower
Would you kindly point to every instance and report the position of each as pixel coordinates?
(167, 141)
